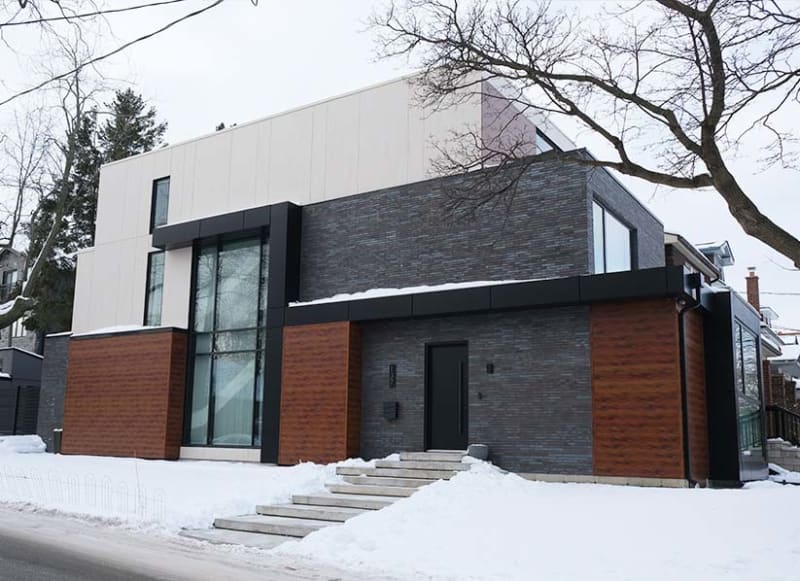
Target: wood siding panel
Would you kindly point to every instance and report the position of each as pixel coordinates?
(124, 395)
(696, 395)
(636, 389)
(320, 393)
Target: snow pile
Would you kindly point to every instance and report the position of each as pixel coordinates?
(21, 445)
(167, 495)
(487, 525)
(783, 475)
(375, 293)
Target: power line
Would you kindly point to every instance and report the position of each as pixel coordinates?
(68, 17)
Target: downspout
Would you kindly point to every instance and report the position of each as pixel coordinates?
(684, 390)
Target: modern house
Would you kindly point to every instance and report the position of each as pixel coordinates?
(296, 289)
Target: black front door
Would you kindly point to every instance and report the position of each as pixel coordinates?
(446, 406)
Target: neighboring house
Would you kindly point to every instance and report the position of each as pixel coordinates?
(13, 266)
(292, 289)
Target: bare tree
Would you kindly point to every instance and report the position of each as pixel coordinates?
(73, 95)
(674, 87)
(24, 151)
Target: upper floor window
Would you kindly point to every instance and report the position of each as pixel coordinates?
(159, 206)
(544, 143)
(612, 241)
(155, 289)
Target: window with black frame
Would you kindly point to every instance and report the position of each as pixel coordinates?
(748, 390)
(155, 289)
(159, 204)
(228, 332)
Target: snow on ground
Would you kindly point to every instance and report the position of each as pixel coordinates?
(783, 475)
(486, 525)
(21, 445)
(163, 494)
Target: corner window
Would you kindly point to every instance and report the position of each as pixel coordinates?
(748, 387)
(159, 206)
(155, 289)
(612, 241)
(544, 143)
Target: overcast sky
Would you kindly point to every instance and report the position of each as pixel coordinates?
(238, 62)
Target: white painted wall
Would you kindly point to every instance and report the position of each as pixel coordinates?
(370, 139)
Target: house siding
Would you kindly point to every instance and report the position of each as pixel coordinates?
(534, 411)
(404, 236)
(697, 414)
(636, 389)
(125, 395)
(54, 385)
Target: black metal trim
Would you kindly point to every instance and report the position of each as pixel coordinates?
(145, 331)
(183, 234)
(669, 281)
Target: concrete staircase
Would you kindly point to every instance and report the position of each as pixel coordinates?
(364, 489)
(784, 454)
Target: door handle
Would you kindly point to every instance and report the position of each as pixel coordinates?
(461, 398)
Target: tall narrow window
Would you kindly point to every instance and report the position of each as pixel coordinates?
(159, 206)
(230, 286)
(611, 241)
(155, 289)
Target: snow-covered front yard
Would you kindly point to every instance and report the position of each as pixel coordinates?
(482, 524)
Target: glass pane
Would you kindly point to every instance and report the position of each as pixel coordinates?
(233, 399)
(161, 202)
(155, 289)
(597, 233)
(738, 372)
(235, 341)
(618, 245)
(202, 343)
(750, 364)
(263, 283)
(749, 427)
(261, 361)
(237, 294)
(205, 289)
(198, 429)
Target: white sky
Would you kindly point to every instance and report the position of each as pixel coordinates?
(239, 62)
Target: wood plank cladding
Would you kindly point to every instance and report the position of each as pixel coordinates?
(320, 393)
(636, 389)
(124, 395)
(696, 395)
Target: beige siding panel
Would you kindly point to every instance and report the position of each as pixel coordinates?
(318, 153)
(211, 175)
(383, 127)
(177, 282)
(341, 147)
(262, 163)
(84, 292)
(244, 152)
(110, 208)
(290, 144)
(180, 180)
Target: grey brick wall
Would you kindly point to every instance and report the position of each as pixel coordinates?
(649, 230)
(54, 384)
(536, 411)
(403, 236)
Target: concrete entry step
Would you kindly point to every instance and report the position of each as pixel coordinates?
(366, 502)
(387, 481)
(371, 490)
(396, 472)
(273, 525)
(228, 537)
(420, 465)
(431, 456)
(307, 511)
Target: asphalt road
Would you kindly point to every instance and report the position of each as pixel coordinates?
(24, 559)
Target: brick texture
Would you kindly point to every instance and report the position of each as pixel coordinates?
(534, 411)
(125, 395)
(54, 385)
(636, 389)
(696, 395)
(320, 393)
(404, 236)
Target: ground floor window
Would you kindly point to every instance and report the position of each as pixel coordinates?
(228, 343)
(748, 393)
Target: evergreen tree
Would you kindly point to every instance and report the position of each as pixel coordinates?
(131, 129)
